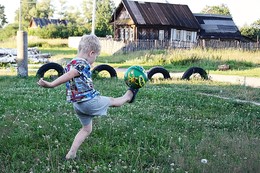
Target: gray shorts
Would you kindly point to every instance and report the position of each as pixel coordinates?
(86, 110)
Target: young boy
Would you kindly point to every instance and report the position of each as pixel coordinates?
(87, 102)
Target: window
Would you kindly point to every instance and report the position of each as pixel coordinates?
(188, 36)
(161, 34)
(178, 35)
(126, 33)
(131, 36)
(122, 34)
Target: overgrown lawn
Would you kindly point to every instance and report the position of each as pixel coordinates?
(170, 127)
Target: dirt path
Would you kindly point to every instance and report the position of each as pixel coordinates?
(239, 80)
(242, 80)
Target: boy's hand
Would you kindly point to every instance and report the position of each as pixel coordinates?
(60, 80)
(44, 83)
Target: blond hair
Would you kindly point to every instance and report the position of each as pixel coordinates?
(89, 43)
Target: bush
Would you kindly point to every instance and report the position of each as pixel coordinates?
(8, 31)
(250, 32)
(61, 31)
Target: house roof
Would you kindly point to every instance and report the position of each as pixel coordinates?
(159, 14)
(40, 22)
(217, 26)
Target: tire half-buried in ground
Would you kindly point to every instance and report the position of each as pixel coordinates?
(104, 67)
(194, 70)
(158, 69)
(50, 66)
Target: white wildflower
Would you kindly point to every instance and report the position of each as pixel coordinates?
(204, 161)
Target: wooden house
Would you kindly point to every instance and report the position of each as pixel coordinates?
(137, 20)
(41, 22)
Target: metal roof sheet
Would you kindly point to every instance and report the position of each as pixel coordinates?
(159, 14)
(217, 26)
(44, 21)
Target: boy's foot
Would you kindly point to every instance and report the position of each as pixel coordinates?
(134, 91)
(70, 156)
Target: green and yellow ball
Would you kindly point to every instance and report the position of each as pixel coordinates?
(135, 77)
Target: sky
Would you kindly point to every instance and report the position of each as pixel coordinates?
(244, 12)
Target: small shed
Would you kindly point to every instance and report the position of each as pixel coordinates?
(217, 27)
(138, 20)
(41, 22)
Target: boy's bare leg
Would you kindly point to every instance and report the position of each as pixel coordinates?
(79, 139)
(119, 101)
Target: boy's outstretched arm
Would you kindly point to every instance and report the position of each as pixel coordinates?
(60, 80)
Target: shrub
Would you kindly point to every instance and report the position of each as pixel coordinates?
(8, 32)
(61, 31)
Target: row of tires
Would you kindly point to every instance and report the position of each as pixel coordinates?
(112, 72)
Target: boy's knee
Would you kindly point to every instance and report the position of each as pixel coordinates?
(87, 128)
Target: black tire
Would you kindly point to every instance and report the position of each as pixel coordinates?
(194, 70)
(52, 65)
(108, 68)
(158, 69)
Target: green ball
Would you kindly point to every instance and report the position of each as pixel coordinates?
(135, 77)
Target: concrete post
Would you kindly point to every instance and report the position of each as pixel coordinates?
(22, 54)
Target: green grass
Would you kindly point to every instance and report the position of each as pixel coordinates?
(170, 127)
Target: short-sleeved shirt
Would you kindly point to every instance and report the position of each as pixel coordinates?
(80, 88)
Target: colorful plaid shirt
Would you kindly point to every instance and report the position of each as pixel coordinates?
(80, 88)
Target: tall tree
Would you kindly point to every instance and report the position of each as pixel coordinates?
(103, 15)
(257, 24)
(33, 8)
(27, 5)
(252, 31)
(44, 9)
(87, 6)
(3, 19)
(72, 14)
(62, 9)
(221, 9)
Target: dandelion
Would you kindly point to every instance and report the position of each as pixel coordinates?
(204, 161)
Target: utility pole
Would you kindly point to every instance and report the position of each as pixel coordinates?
(20, 16)
(93, 17)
